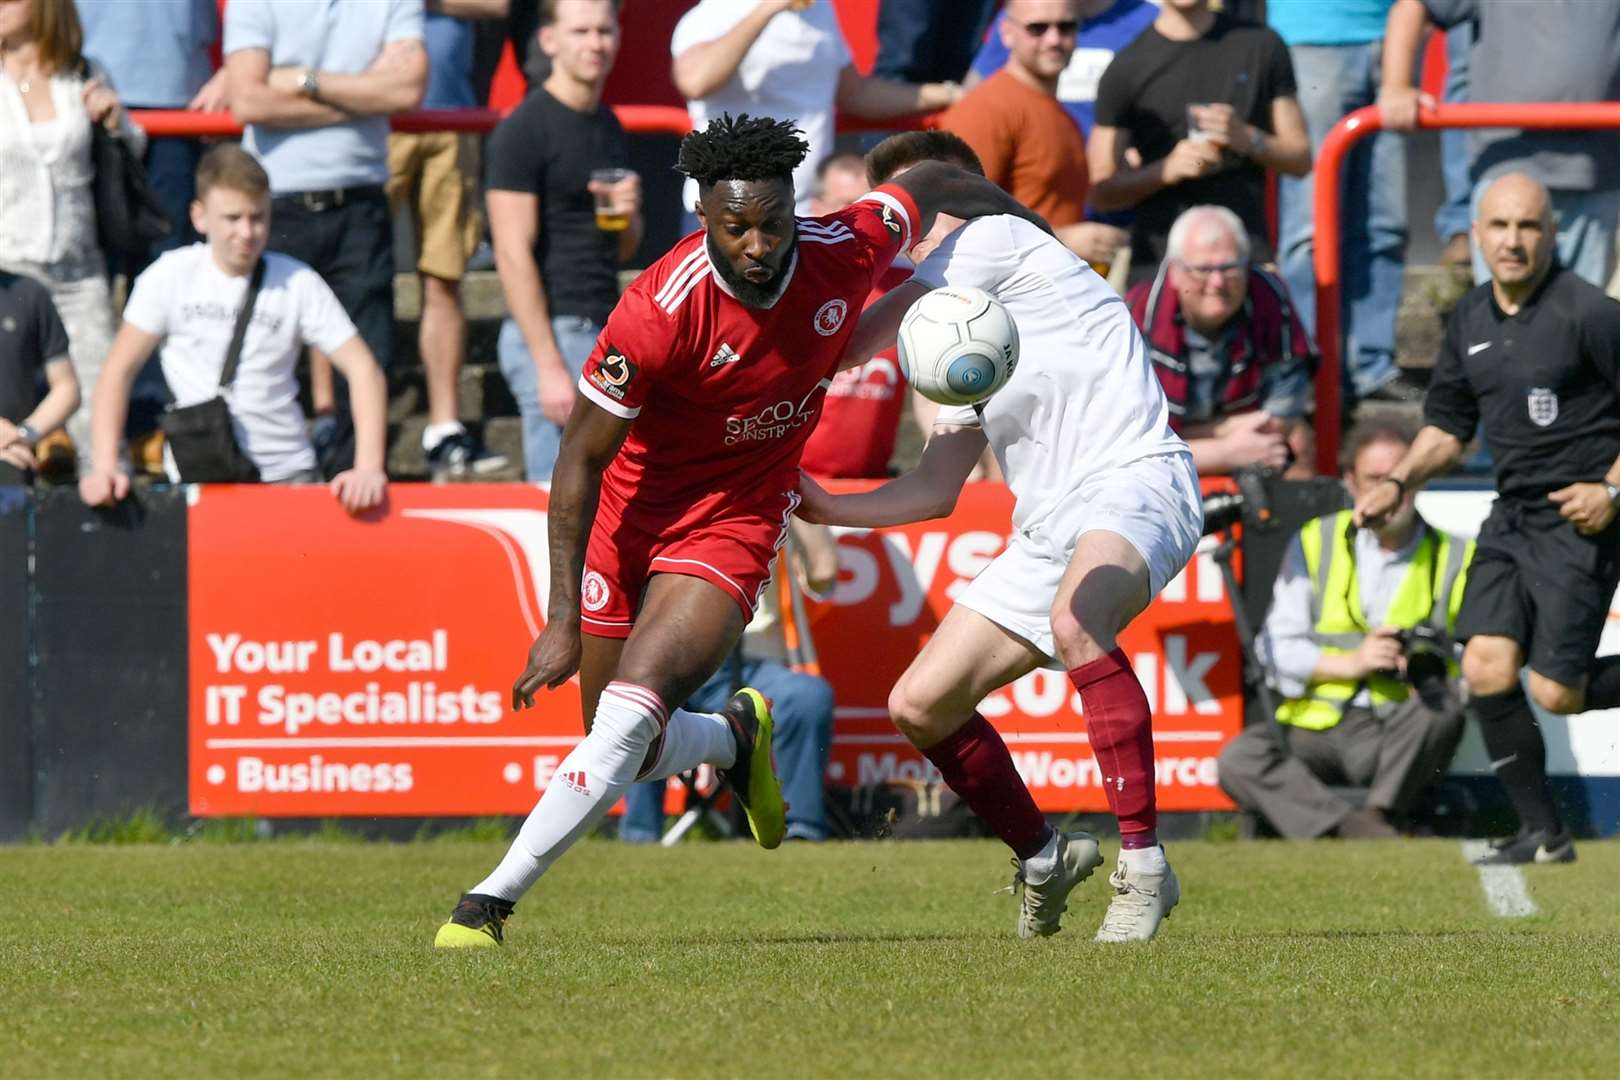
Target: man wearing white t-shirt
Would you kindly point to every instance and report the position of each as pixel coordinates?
(785, 59)
(187, 302)
(1107, 511)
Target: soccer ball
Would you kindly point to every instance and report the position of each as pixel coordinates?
(958, 346)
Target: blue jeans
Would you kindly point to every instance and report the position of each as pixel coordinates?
(1334, 80)
(576, 337)
(802, 709)
(1455, 157)
(1586, 224)
(928, 41)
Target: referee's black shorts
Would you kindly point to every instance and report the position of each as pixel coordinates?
(1536, 580)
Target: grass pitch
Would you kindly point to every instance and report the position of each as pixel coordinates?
(871, 959)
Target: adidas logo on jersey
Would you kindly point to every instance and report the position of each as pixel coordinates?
(725, 355)
(576, 780)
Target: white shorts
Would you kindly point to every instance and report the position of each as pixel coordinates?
(1154, 503)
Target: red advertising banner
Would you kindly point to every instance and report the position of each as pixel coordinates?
(896, 584)
(362, 667)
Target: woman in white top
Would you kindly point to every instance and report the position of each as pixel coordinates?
(47, 210)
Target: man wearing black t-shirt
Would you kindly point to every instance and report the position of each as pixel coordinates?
(559, 270)
(1534, 356)
(32, 340)
(1194, 111)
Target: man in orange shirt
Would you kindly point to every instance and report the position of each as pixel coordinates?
(1028, 142)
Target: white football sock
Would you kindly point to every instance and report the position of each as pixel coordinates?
(584, 788)
(1043, 864)
(1144, 860)
(692, 739)
(434, 434)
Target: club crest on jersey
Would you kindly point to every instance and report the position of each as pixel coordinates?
(1542, 402)
(889, 221)
(593, 592)
(614, 374)
(831, 317)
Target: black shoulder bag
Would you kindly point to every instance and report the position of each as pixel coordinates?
(129, 217)
(201, 436)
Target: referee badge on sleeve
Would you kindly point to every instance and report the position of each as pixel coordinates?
(1543, 405)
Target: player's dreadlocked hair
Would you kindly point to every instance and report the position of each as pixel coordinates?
(742, 148)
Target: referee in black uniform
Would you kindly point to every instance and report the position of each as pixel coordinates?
(1534, 354)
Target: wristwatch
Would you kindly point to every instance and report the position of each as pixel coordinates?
(1612, 491)
(309, 84)
(27, 434)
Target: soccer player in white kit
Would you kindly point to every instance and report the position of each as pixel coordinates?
(1107, 510)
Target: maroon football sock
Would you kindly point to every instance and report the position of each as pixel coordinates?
(1120, 725)
(977, 766)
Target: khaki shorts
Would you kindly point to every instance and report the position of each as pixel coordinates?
(434, 175)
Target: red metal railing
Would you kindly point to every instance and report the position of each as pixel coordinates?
(1548, 115)
(637, 120)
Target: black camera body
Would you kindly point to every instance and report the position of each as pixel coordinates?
(1428, 653)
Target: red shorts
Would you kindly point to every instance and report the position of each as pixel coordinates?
(733, 552)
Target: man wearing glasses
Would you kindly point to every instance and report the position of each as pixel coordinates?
(1228, 347)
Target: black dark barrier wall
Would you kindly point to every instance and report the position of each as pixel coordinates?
(109, 719)
(1293, 503)
(16, 759)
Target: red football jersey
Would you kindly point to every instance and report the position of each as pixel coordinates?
(724, 395)
(855, 438)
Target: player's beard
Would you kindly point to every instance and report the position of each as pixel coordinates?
(762, 295)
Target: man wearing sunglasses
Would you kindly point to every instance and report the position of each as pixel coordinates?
(1230, 352)
(1026, 140)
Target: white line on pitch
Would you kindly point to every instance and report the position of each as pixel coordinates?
(1503, 885)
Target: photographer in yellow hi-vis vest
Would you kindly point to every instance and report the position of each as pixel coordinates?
(1358, 641)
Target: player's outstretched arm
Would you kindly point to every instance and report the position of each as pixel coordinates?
(590, 441)
(927, 491)
(1433, 452)
(940, 188)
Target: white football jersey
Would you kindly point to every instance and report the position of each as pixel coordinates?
(1084, 398)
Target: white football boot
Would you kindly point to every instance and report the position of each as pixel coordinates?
(1044, 902)
(1141, 902)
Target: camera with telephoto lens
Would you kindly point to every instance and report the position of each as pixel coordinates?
(1428, 652)
(1223, 509)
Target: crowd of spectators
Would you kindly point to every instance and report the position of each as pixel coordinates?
(1144, 131)
(1112, 118)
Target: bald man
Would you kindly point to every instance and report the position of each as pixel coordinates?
(1533, 356)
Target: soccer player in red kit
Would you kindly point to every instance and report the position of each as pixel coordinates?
(678, 471)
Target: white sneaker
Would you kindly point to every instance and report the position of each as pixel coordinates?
(1141, 902)
(1044, 903)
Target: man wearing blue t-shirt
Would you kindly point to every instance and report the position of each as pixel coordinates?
(1106, 26)
(1337, 49)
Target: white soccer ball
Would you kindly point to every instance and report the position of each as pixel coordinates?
(957, 346)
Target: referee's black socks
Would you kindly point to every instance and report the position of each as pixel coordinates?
(1603, 685)
(1518, 755)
